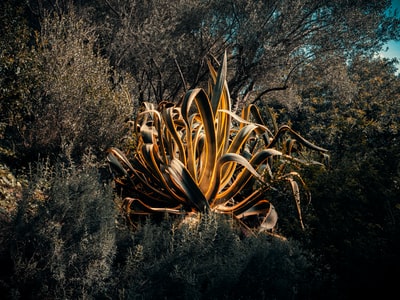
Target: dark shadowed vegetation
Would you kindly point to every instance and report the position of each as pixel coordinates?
(150, 81)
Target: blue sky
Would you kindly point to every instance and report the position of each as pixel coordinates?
(394, 47)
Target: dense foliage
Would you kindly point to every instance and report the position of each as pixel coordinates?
(72, 247)
(72, 76)
(59, 97)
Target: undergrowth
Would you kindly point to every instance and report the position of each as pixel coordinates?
(67, 240)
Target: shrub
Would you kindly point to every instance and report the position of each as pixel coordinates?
(66, 98)
(64, 243)
(209, 260)
(17, 78)
(62, 239)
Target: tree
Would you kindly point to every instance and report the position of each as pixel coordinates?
(357, 200)
(163, 44)
(158, 41)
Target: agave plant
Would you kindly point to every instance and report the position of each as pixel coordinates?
(198, 156)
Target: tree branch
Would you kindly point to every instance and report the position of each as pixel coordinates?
(279, 88)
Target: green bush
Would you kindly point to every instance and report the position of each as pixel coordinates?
(62, 240)
(65, 98)
(17, 81)
(209, 259)
(81, 108)
(67, 241)
(357, 216)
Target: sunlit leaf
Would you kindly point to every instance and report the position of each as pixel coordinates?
(199, 156)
